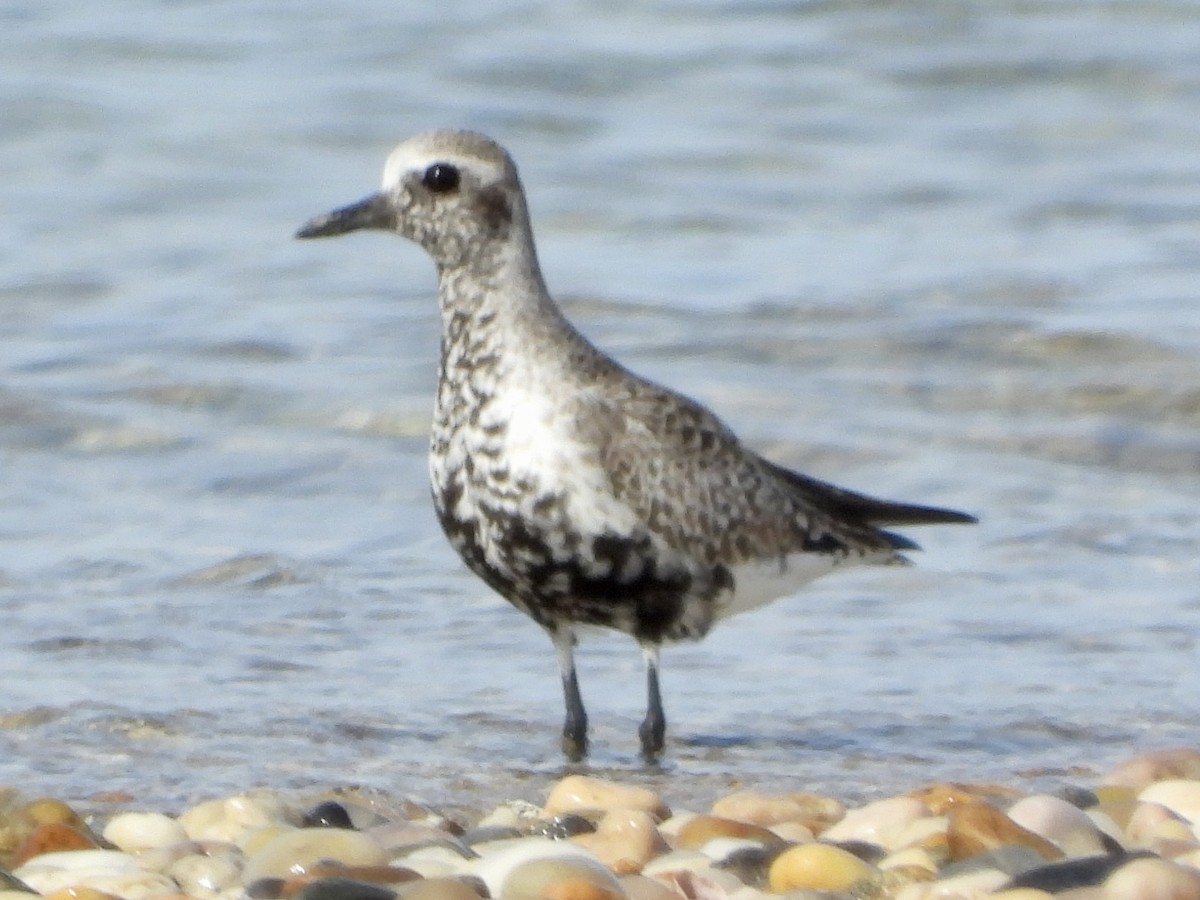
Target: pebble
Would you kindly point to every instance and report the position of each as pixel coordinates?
(53, 837)
(625, 840)
(294, 852)
(1145, 769)
(700, 830)
(881, 822)
(980, 827)
(134, 831)
(231, 819)
(1066, 826)
(1133, 837)
(581, 793)
(814, 812)
(1152, 879)
(816, 867)
(1180, 796)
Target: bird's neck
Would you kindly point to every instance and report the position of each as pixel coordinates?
(496, 307)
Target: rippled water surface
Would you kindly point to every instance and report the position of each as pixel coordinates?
(946, 252)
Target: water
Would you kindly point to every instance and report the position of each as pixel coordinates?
(937, 251)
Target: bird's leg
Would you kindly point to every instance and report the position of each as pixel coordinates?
(653, 729)
(574, 733)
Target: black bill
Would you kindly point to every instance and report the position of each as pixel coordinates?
(372, 212)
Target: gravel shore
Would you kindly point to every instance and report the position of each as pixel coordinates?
(1133, 834)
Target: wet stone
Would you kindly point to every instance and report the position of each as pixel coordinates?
(1162, 765)
(294, 852)
(751, 865)
(52, 837)
(444, 889)
(1073, 873)
(581, 793)
(562, 878)
(699, 830)
(980, 827)
(813, 811)
(489, 833)
(1012, 861)
(821, 867)
(134, 832)
(265, 888)
(344, 889)
(329, 814)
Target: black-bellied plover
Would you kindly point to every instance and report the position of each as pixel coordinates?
(581, 493)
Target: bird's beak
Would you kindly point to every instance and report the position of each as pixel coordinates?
(374, 212)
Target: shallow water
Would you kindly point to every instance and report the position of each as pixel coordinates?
(937, 251)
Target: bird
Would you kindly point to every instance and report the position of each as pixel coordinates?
(580, 492)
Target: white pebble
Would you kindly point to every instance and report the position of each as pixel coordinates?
(880, 822)
(1066, 826)
(134, 831)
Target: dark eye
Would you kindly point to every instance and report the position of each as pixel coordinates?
(440, 178)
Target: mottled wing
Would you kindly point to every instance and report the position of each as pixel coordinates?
(695, 485)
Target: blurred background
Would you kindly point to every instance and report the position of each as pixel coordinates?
(938, 251)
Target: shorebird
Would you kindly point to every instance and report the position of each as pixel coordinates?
(580, 492)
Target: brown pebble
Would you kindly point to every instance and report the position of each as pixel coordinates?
(579, 889)
(442, 888)
(943, 796)
(389, 875)
(80, 893)
(47, 811)
(699, 830)
(980, 827)
(625, 840)
(1161, 765)
(642, 887)
(52, 837)
(811, 810)
(580, 793)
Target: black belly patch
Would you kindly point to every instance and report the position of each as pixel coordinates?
(558, 577)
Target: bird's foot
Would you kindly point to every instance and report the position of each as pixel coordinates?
(653, 732)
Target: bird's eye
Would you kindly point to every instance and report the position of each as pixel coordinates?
(441, 178)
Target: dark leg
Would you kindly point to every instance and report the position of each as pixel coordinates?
(574, 733)
(654, 727)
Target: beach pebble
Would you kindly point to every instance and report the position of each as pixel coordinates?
(1145, 769)
(639, 887)
(1153, 822)
(1072, 873)
(130, 884)
(980, 827)
(342, 889)
(943, 796)
(135, 831)
(814, 812)
(561, 878)
(80, 893)
(231, 819)
(1152, 879)
(53, 837)
(329, 814)
(1180, 796)
(960, 887)
(581, 793)
(625, 840)
(678, 861)
(700, 830)
(440, 889)
(819, 867)
(293, 852)
(1068, 827)
(204, 876)
(878, 823)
